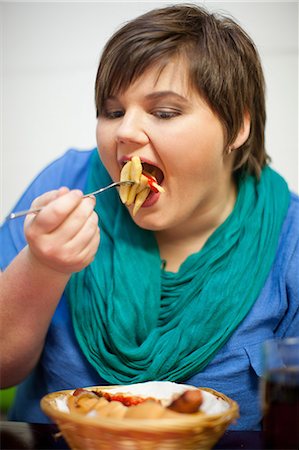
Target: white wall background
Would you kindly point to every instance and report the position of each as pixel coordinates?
(49, 57)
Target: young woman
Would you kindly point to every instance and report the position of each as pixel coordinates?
(189, 287)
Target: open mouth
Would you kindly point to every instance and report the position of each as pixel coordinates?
(147, 179)
(153, 171)
(150, 170)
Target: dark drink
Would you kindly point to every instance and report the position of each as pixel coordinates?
(281, 408)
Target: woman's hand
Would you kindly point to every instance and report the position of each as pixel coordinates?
(64, 235)
(62, 238)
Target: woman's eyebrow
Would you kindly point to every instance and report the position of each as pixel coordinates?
(111, 98)
(166, 94)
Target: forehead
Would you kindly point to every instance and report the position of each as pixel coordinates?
(165, 75)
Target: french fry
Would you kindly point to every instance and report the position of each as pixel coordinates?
(149, 409)
(82, 404)
(158, 187)
(135, 174)
(131, 194)
(136, 169)
(102, 401)
(125, 175)
(112, 409)
(140, 199)
(152, 183)
(143, 184)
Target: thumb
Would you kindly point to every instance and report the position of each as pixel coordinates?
(48, 197)
(44, 200)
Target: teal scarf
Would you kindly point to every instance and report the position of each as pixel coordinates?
(135, 322)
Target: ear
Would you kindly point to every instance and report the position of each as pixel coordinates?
(243, 133)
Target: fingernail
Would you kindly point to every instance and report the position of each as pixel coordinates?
(63, 189)
(77, 192)
(93, 198)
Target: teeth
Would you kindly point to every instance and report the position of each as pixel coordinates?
(138, 192)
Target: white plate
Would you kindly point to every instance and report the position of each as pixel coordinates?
(164, 391)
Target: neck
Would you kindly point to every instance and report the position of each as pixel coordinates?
(176, 244)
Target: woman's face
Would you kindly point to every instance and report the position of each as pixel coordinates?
(169, 126)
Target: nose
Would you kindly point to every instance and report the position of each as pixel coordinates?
(131, 129)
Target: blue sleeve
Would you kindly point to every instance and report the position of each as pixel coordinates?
(293, 294)
(69, 170)
(290, 325)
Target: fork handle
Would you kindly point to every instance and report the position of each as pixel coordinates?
(15, 215)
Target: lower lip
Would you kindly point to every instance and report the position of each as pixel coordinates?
(152, 198)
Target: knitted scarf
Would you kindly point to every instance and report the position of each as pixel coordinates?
(135, 322)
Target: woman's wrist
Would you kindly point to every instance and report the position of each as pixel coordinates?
(44, 268)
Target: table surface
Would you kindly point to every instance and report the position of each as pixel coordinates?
(19, 436)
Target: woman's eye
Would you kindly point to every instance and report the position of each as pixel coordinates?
(113, 114)
(166, 114)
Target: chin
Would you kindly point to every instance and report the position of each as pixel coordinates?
(149, 221)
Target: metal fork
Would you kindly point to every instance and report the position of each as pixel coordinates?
(15, 215)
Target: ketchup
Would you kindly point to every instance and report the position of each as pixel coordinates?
(127, 401)
(151, 182)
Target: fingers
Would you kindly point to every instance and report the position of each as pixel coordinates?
(55, 211)
(43, 200)
(78, 229)
(72, 255)
(76, 220)
(64, 235)
(87, 240)
(48, 197)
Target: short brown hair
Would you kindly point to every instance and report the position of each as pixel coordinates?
(224, 67)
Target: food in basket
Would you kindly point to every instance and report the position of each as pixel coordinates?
(153, 399)
(134, 421)
(121, 405)
(144, 183)
(187, 403)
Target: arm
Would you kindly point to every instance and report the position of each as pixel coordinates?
(63, 238)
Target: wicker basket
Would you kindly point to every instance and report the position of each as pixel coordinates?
(192, 431)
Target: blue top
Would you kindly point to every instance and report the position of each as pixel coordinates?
(234, 371)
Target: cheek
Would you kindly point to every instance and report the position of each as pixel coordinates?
(198, 138)
(106, 149)
(201, 154)
(103, 140)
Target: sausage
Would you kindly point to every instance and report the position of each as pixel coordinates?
(188, 402)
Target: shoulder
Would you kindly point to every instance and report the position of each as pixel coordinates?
(71, 170)
(289, 237)
(66, 169)
(286, 269)
(293, 210)
(287, 255)
(290, 234)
